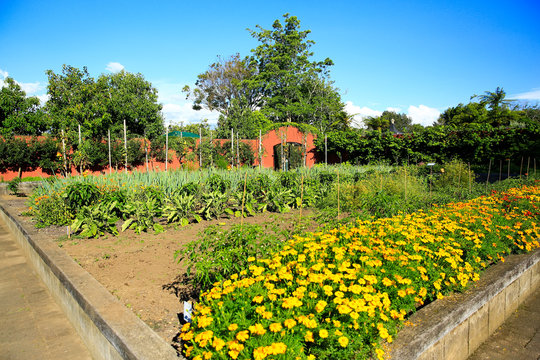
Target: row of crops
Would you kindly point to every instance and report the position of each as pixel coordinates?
(96, 205)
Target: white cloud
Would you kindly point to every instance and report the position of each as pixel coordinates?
(359, 113)
(394, 109)
(114, 67)
(3, 74)
(178, 110)
(529, 95)
(30, 88)
(423, 115)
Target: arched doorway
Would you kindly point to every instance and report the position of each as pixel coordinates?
(289, 156)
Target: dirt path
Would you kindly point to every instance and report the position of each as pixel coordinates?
(140, 270)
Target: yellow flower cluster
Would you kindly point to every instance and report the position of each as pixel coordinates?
(340, 292)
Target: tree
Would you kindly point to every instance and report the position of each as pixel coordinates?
(20, 115)
(498, 114)
(131, 98)
(73, 101)
(460, 115)
(288, 81)
(402, 123)
(222, 84)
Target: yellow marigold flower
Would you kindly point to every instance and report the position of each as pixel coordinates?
(187, 336)
(218, 344)
(233, 327)
(242, 335)
(321, 304)
(260, 353)
(337, 323)
(289, 323)
(380, 354)
(258, 299)
(257, 329)
(207, 355)
(267, 315)
(309, 337)
(291, 302)
(343, 341)
(275, 327)
(234, 354)
(323, 333)
(204, 321)
(278, 348)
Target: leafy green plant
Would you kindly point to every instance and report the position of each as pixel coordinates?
(219, 253)
(80, 194)
(95, 221)
(140, 216)
(213, 204)
(180, 208)
(13, 185)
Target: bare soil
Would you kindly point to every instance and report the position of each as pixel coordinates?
(140, 270)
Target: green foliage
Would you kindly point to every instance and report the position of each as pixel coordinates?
(13, 186)
(96, 221)
(474, 143)
(79, 195)
(140, 215)
(20, 115)
(135, 153)
(76, 98)
(180, 208)
(50, 211)
(218, 253)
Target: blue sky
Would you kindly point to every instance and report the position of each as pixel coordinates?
(416, 57)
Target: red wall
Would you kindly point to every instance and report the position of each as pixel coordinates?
(269, 140)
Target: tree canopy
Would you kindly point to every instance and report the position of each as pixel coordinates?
(402, 123)
(75, 98)
(278, 82)
(19, 114)
(492, 108)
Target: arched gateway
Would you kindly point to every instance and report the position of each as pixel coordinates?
(287, 147)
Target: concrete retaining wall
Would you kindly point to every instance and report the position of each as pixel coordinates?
(109, 330)
(454, 327)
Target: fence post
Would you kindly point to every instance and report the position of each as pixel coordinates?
(109, 138)
(125, 146)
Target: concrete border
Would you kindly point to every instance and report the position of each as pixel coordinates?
(454, 327)
(108, 329)
(25, 187)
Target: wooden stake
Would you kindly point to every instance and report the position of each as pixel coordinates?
(508, 169)
(405, 183)
(301, 196)
(489, 171)
(243, 200)
(470, 181)
(109, 138)
(528, 162)
(338, 195)
(521, 168)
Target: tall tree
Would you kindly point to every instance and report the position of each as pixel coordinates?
(131, 98)
(222, 84)
(20, 115)
(499, 113)
(288, 81)
(73, 101)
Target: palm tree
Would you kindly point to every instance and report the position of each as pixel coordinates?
(494, 100)
(497, 105)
